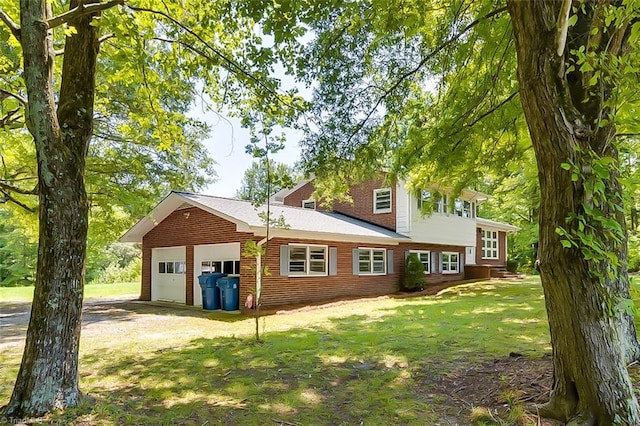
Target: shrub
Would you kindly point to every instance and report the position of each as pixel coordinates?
(114, 273)
(413, 277)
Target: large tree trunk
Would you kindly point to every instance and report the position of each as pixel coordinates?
(48, 376)
(592, 338)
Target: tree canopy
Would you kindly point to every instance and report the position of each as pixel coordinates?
(254, 183)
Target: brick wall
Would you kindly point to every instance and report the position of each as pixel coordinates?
(362, 207)
(186, 227)
(303, 193)
(190, 227)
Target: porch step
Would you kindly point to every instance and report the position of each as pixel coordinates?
(502, 273)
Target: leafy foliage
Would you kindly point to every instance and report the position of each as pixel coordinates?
(255, 181)
(413, 276)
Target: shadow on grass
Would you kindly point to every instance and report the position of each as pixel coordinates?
(363, 368)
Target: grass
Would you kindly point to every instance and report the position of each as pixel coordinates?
(364, 362)
(91, 291)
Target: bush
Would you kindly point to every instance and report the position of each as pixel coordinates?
(413, 277)
(114, 273)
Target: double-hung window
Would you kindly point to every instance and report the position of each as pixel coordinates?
(372, 261)
(450, 263)
(307, 260)
(489, 244)
(425, 259)
(382, 200)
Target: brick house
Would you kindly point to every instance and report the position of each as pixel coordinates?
(356, 249)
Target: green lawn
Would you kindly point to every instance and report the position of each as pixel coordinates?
(91, 291)
(363, 362)
(371, 362)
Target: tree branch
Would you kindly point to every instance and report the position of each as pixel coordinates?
(5, 187)
(8, 198)
(233, 66)
(5, 94)
(417, 68)
(15, 28)
(81, 10)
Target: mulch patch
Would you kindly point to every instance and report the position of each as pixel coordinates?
(498, 387)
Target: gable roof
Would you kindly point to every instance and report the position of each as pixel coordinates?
(486, 223)
(299, 222)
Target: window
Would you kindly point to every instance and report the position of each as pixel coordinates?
(425, 259)
(382, 200)
(489, 244)
(440, 203)
(424, 198)
(458, 207)
(372, 261)
(309, 204)
(468, 210)
(229, 267)
(307, 260)
(171, 268)
(450, 263)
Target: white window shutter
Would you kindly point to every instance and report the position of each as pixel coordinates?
(356, 269)
(333, 261)
(284, 260)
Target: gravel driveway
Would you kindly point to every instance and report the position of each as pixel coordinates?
(99, 316)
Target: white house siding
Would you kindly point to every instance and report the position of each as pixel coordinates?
(403, 218)
(210, 252)
(440, 228)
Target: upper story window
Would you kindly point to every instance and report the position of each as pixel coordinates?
(489, 244)
(438, 200)
(372, 261)
(382, 200)
(450, 262)
(307, 260)
(464, 208)
(309, 204)
(425, 259)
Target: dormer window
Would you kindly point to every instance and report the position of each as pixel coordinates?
(382, 200)
(309, 204)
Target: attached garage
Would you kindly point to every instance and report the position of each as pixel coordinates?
(168, 279)
(212, 258)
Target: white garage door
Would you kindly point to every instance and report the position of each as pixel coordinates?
(212, 258)
(169, 274)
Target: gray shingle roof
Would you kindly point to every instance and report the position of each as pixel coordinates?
(294, 218)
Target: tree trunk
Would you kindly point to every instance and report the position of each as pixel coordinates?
(48, 376)
(592, 338)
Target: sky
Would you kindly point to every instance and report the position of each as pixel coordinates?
(227, 147)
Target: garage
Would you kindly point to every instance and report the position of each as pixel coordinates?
(214, 258)
(168, 282)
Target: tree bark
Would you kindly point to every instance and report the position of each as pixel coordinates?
(592, 339)
(48, 376)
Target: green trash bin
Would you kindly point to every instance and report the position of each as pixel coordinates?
(210, 293)
(229, 293)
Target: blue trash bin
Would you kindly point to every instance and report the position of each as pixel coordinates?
(229, 293)
(210, 293)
